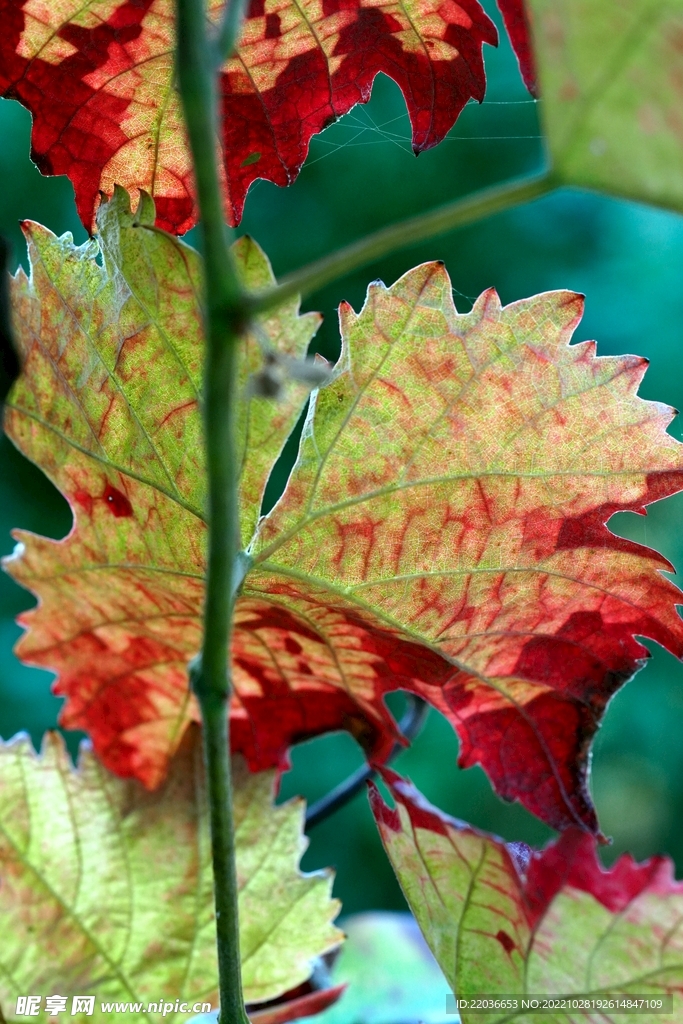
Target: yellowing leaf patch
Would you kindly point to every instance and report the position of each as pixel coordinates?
(611, 78)
(86, 910)
(108, 405)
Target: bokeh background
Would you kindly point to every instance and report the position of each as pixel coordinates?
(361, 175)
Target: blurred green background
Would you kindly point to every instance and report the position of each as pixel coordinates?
(360, 175)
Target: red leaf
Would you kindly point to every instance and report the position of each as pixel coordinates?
(305, 1002)
(517, 25)
(452, 488)
(572, 861)
(98, 79)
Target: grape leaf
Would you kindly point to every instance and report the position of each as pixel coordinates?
(451, 490)
(502, 919)
(86, 909)
(517, 25)
(108, 407)
(611, 76)
(442, 531)
(98, 78)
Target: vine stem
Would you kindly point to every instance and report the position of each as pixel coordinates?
(224, 313)
(445, 218)
(229, 29)
(227, 312)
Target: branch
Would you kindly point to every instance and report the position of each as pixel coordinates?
(397, 236)
(224, 320)
(410, 725)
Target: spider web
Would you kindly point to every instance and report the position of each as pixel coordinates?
(359, 128)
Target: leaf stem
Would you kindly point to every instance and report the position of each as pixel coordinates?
(407, 232)
(224, 313)
(229, 29)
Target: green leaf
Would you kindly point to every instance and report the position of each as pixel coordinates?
(503, 920)
(611, 81)
(106, 889)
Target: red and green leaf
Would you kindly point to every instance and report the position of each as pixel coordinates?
(505, 920)
(304, 1001)
(98, 79)
(108, 406)
(443, 530)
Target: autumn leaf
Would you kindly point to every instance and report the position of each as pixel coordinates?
(86, 910)
(504, 920)
(442, 531)
(517, 25)
(98, 78)
(611, 76)
(108, 407)
(305, 1001)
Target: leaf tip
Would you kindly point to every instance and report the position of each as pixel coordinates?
(488, 304)
(119, 198)
(20, 739)
(347, 316)
(16, 554)
(384, 815)
(145, 214)
(570, 306)
(28, 229)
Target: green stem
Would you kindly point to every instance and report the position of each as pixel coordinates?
(227, 310)
(229, 29)
(224, 311)
(408, 232)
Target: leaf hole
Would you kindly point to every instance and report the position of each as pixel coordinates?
(279, 474)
